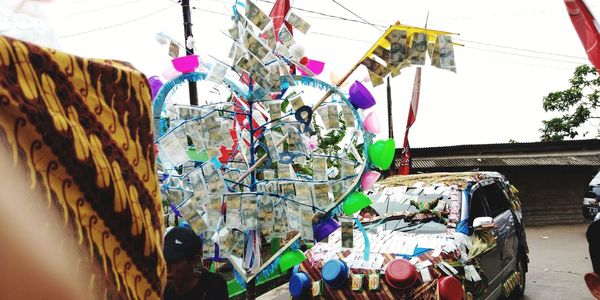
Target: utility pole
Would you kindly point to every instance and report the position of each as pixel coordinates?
(187, 28)
(389, 110)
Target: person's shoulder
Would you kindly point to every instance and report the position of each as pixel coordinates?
(213, 277)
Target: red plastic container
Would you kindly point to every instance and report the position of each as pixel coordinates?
(401, 274)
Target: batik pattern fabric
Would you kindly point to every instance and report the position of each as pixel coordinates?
(82, 129)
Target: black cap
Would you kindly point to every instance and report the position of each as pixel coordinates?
(593, 238)
(181, 243)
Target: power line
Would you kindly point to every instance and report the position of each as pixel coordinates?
(98, 9)
(326, 15)
(520, 49)
(119, 24)
(341, 37)
(523, 55)
(356, 15)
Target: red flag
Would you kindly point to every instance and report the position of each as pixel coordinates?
(278, 13)
(405, 159)
(587, 28)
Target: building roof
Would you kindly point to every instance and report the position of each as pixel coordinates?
(561, 153)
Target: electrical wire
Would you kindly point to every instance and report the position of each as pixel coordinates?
(519, 49)
(118, 24)
(356, 15)
(98, 9)
(522, 55)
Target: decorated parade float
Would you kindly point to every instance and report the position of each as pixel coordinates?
(271, 159)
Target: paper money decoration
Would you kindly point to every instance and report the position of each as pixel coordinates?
(402, 46)
(265, 158)
(256, 16)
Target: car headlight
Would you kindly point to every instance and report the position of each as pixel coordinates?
(589, 201)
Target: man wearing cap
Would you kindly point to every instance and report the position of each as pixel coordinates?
(592, 279)
(186, 279)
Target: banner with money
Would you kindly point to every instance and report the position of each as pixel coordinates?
(172, 149)
(265, 215)
(375, 79)
(285, 36)
(249, 212)
(217, 73)
(319, 168)
(418, 49)
(298, 22)
(398, 49)
(332, 111)
(293, 212)
(193, 217)
(321, 194)
(348, 117)
(375, 67)
(280, 217)
(269, 35)
(306, 215)
(303, 193)
(347, 229)
(255, 46)
(236, 52)
(256, 15)
(445, 53)
(233, 212)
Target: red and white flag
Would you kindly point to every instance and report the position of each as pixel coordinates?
(587, 28)
(405, 159)
(278, 14)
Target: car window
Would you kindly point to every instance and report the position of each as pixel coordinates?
(478, 206)
(496, 199)
(596, 179)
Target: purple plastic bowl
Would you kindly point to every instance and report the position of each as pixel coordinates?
(360, 96)
(325, 228)
(186, 64)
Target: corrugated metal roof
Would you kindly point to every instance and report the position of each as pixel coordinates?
(567, 159)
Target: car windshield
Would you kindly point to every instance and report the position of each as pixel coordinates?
(596, 180)
(423, 206)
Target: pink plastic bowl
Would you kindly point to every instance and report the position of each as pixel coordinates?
(371, 123)
(369, 179)
(186, 64)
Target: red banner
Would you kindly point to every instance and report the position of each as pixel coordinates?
(405, 159)
(587, 28)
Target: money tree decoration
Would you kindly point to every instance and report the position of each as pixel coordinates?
(267, 156)
(264, 155)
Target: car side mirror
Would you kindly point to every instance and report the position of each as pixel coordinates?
(483, 223)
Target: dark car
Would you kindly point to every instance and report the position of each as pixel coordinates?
(448, 235)
(591, 199)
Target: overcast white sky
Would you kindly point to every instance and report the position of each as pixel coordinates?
(503, 71)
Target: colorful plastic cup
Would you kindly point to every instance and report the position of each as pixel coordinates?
(324, 228)
(335, 273)
(369, 179)
(381, 153)
(360, 96)
(170, 73)
(401, 274)
(371, 123)
(299, 284)
(450, 288)
(355, 202)
(291, 258)
(186, 64)
(314, 66)
(155, 85)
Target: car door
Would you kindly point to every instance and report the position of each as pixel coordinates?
(504, 221)
(490, 260)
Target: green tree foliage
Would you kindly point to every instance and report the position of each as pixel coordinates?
(579, 103)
